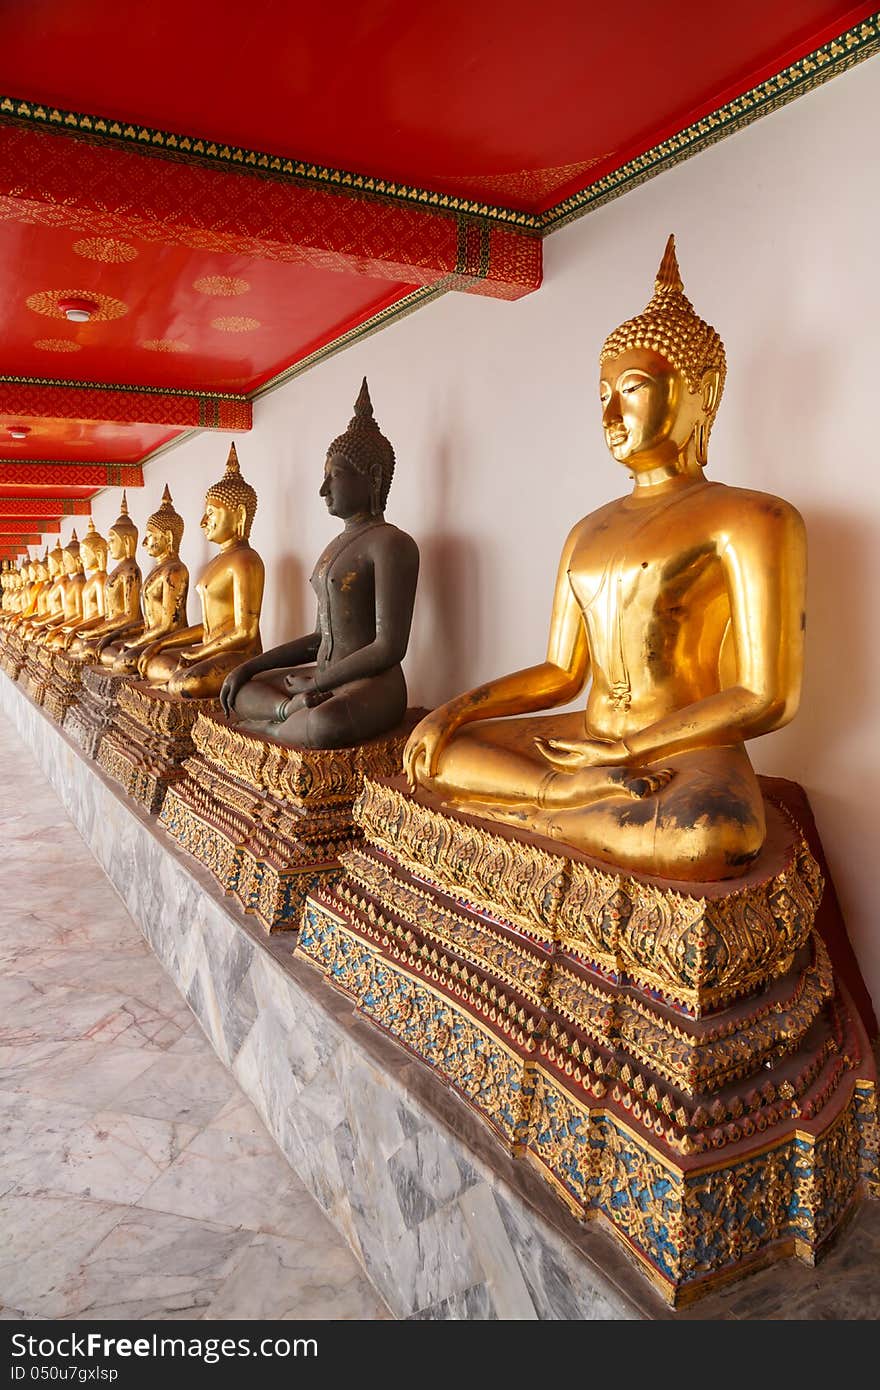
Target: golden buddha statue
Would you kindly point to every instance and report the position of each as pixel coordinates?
(343, 683)
(683, 601)
(165, 590)
(22, 597)
(53, 607)
(122, 591)
(193, 662)
(93, 549)
(72, 598)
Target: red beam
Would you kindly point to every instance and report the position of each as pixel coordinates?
(49, 473)
(22, 541)
(12, 525)
(44, 506)
(26, 397)
(50, 178)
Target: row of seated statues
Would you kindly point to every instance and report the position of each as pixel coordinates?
(642, 896)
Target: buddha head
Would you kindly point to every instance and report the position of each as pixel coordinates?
(662, 375)
(72, 559)
(230, 505)
(164, 530)
(41, 566)
(359, 466)
(93, 548)
(123, 536)
(56, 560)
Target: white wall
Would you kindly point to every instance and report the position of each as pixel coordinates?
(493, 410)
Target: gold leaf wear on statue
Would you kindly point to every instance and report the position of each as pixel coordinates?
(683, 605)
(193, 662)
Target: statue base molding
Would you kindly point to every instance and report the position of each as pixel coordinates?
(676, 1060)
(63, 687)
(270, 821)
(149, 741)
(88, 719)
(12, 654)
(36, 671)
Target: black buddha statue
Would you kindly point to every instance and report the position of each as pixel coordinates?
(342, 684)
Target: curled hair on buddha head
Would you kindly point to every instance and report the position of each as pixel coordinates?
(168, 519)
(671, 327)
(232, 491)
(365, 447)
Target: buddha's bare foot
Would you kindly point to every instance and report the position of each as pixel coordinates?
(644, 781)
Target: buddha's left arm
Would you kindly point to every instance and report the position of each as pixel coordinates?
(395, 574)
(247, 600)
(765, 565)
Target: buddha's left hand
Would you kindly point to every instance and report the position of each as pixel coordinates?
(571, 754)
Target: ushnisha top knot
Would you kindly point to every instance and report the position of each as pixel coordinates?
(670, 326)
(168, 519)
(72, 546)
(233, 491)
(123, 525)
(366, 448)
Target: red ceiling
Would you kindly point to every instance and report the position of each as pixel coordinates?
(505, 100)
(75, 441)
(181, 317)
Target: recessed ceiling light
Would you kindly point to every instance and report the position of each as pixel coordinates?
(78, 310)
(19, 431)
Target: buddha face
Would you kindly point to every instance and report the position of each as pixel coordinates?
(122, 543)
(221, 524)
(70, 562)
(345, 489)
(649, 412)
(158, 543)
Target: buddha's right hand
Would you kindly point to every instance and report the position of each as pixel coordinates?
(424, 746)
(233, 683)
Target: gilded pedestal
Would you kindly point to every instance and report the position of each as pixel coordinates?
(270, 821)
(150, 740)
(63, 686)
(89, 718)
(13, 652)
(36, 671)
(676, 1060)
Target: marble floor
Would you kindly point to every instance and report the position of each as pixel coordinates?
(136, 1180)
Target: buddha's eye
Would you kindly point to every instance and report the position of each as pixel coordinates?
(633, 387)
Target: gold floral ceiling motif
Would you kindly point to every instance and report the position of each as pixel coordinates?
(225, 285)
(57, 345)
(235, 323)
(164, 345)
(106, 249)
(47, 302)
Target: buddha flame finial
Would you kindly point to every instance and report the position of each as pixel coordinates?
(123, 510)
(91, 529)
(670, 326)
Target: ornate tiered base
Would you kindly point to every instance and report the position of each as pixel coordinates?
(89, 718)
(675, 1059)
(36, 670)
(12, 653)
(270, 821)
(63, 686)
(150, 740)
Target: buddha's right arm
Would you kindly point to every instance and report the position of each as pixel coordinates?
(296, 653)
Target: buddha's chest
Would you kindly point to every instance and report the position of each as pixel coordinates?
(216, 587)
(635, 563)
(343, 582)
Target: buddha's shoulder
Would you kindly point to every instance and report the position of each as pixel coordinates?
(739, 506)
(393, 541)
